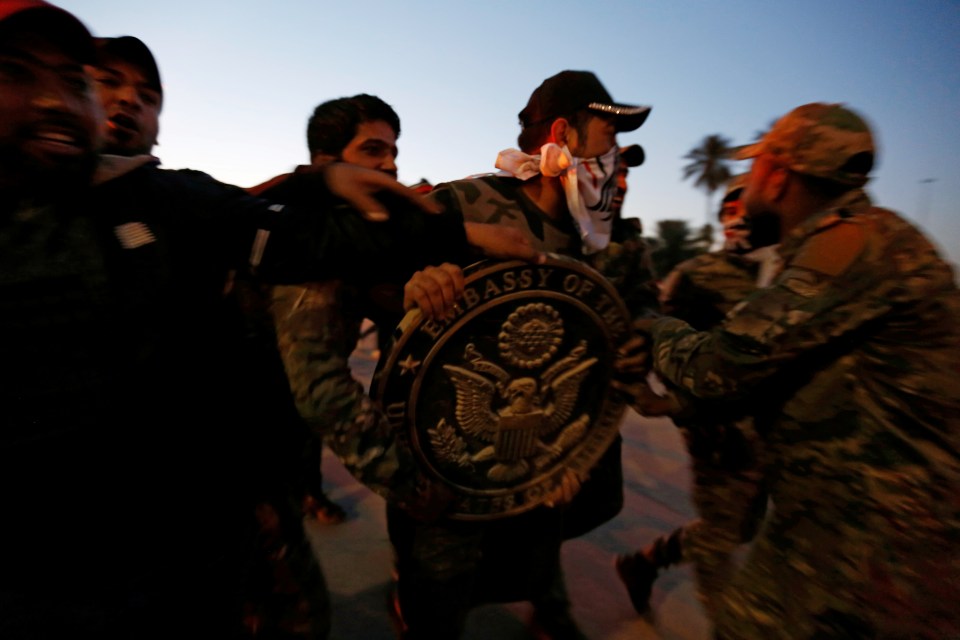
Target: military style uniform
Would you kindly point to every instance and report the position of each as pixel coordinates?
(703, 290)
(724, 449)
(495, 199)
(446, 567)
(852, 378)
(318, 325)
(324, 299)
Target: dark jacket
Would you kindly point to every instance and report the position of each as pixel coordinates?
(129, 426)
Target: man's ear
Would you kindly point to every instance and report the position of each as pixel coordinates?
(777, 183)
(559, 131)
(320, 159)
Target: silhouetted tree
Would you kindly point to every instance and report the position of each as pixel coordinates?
(709, 166)
(675, 243)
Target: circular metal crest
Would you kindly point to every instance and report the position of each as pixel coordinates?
(500, 400)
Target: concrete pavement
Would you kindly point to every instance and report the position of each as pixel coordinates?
(356, 555)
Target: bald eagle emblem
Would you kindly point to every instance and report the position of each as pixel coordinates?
(514, 425)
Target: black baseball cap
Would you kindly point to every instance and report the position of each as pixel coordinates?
(570, 91)
(633, 155)
(134, 51)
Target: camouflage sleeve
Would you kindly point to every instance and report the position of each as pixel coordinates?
(315, 343)
(668, 291)
(312, 338)
(801, 313)
(702, 290)
(629, 268)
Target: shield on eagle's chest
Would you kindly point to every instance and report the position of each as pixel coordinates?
(501, 400)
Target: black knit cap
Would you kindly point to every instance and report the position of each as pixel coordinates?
(570, 91)
(17, 16)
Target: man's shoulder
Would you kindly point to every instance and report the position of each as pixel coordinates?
(728, 276)
(269, 187)
(713, 261)
(479, 198)
(878, 240)
(152, 193)
(898, 245)
(179, 179)
(889, 228)
(473, 187)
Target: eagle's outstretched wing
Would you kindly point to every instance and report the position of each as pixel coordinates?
(481, 364)
(475, 413)
(565, 389)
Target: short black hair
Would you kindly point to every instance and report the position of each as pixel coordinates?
(334, 123)
(859, 164)
(825, 189)
(534, 136)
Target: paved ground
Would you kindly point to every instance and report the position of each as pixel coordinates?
(356, 555)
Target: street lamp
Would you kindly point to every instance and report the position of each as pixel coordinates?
(923, 203)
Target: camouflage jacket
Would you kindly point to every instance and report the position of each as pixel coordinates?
(854, 375)
(500, 200)
(317, 326)
(703, 290)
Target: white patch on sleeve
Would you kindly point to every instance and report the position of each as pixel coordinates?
(259, 245)
(260, 240)
(134, 234)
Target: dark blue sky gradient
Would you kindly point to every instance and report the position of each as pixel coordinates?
(242, 77)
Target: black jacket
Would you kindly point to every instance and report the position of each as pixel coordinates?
(129, 428)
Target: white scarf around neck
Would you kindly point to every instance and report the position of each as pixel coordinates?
(589, 185)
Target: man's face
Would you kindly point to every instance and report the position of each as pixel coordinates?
(622, 171)
(761, 211)
(373, 147)
(599, 136)
(49, 115)
(731, 213)
(755, 195)
(131, 106)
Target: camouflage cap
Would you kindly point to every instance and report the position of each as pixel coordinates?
(818, 139)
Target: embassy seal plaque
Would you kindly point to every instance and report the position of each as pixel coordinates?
(500, 400)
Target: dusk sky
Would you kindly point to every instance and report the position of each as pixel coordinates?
(241, 78)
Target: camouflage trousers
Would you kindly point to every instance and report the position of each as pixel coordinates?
(730, 500)
(865, 556)
(731, 506)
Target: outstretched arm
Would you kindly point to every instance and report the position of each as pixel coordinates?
(825, 296)
(315, 344)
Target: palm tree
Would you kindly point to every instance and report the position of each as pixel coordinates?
(676, 243)
(709, 165)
